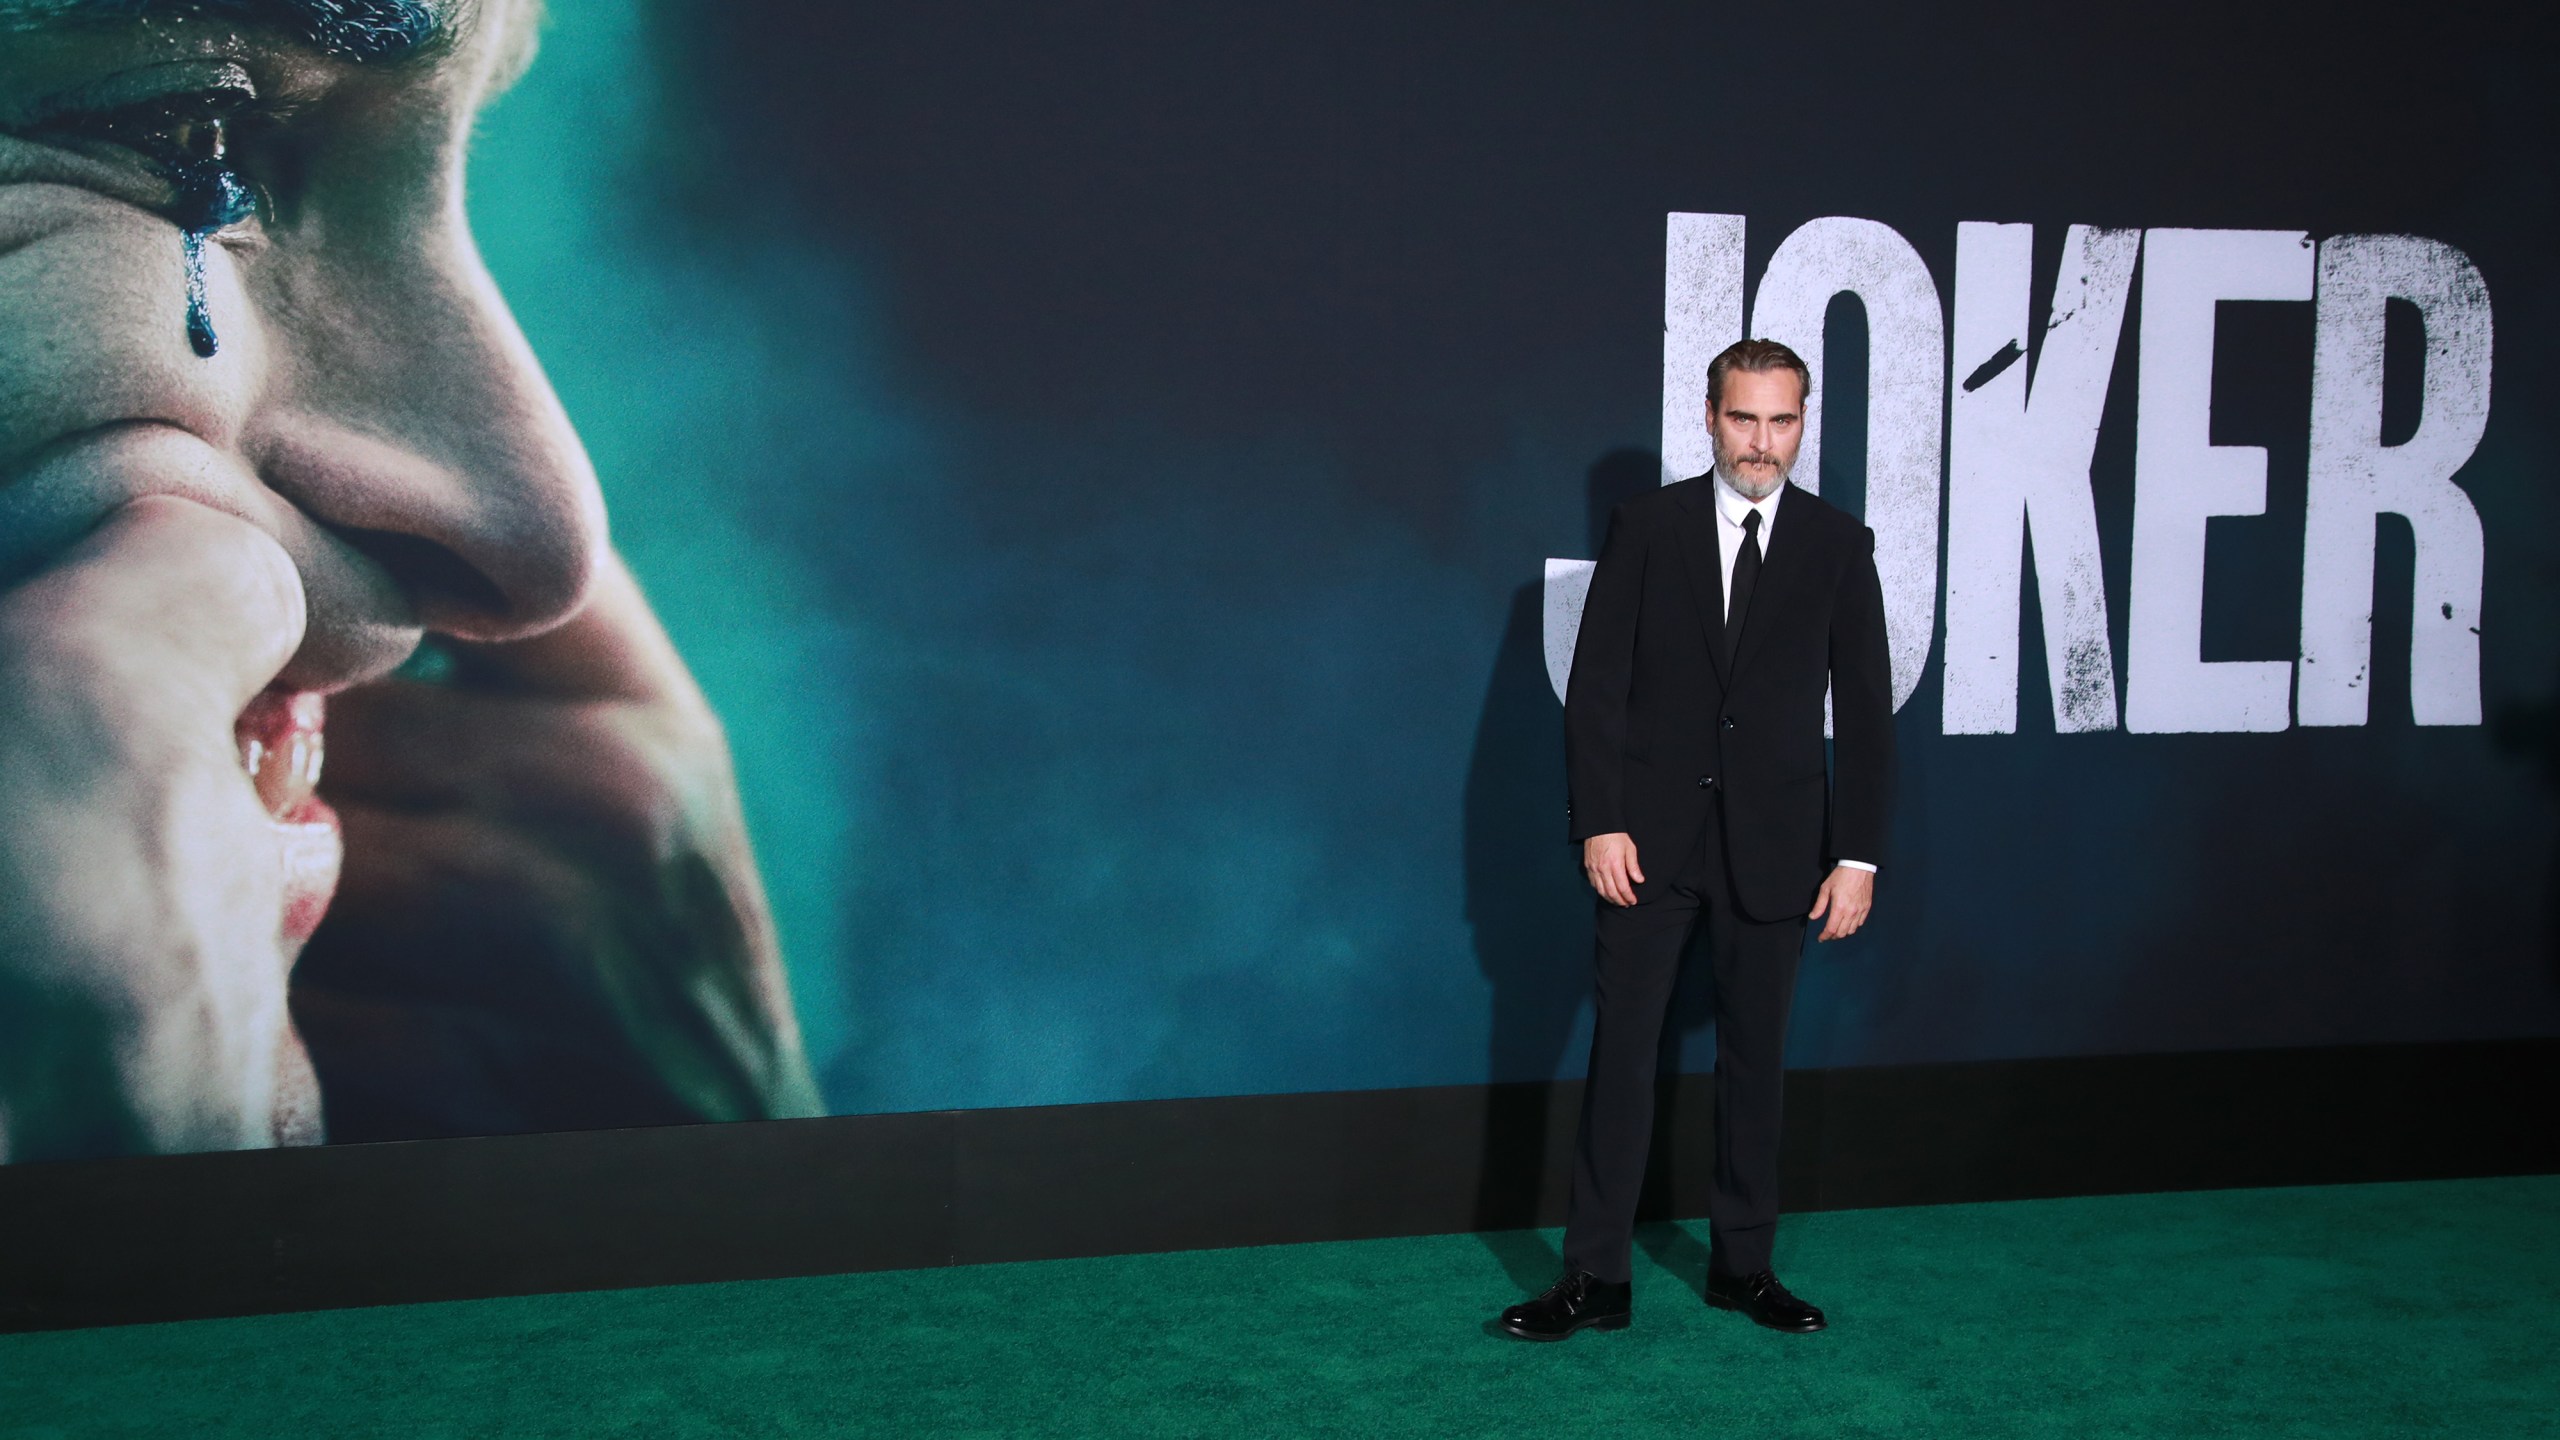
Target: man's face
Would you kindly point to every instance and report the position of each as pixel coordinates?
(1757, 430)
(370, 403)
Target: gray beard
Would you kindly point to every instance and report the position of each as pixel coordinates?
(1725, 473)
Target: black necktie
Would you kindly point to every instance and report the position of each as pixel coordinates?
(1746, 574)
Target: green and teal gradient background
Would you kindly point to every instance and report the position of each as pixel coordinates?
(1100, 461)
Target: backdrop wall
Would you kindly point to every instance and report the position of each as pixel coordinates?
(1104, 462)
(1117, 472)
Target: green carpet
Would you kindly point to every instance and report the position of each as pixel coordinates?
(2374, 1310)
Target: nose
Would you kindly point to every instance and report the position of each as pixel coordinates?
(411, 421)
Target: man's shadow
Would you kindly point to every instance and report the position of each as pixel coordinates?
(2530, 730)
(1530, 912)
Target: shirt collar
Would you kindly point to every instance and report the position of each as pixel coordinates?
(1731, 504)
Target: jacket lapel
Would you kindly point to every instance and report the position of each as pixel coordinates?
(1697, 530)
(1779, 574)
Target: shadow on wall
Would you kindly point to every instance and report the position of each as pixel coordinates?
(2531, 730)
(1527, 906)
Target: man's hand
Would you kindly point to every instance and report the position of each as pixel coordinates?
(142, 892)
(1845, 898)
(1610, 862)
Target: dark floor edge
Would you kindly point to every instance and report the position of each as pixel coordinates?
(177, 1237)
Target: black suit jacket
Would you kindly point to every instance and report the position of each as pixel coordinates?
(1661, 741)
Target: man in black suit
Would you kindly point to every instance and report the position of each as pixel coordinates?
(1722, 608)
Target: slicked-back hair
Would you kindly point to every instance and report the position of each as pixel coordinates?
(1759, 357)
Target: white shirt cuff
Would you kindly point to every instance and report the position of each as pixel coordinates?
(1858, 865)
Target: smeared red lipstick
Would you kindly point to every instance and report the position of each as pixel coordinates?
(279, 735)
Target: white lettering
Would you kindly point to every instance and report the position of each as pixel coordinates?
(1568, 586)
(2181, 479)
(2355, 478)
(2023, 430)
(2018, 464)
(1906, 379)
(1701, 315)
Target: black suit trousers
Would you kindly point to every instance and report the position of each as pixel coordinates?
(1636, 961)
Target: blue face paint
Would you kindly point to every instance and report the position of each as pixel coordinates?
(210, 198)
(349, 29)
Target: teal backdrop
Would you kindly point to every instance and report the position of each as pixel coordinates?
(1100, 464)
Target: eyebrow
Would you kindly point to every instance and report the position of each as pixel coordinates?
(359, 30)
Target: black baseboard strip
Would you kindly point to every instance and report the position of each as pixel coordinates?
(179, 1237)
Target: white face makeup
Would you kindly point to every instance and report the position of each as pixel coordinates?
(266, 425)
(234, 267)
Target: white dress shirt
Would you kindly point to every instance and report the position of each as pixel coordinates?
(1731, 507)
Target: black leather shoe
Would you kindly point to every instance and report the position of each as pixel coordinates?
(1765, 1300)
(1579, 1300)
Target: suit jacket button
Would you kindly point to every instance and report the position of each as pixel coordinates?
(1706, 782)
(1728, 722)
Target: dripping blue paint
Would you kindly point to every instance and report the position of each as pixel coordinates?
(210, 194)
(210, 198)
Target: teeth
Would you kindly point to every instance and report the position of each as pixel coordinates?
(288, 773)
(281, 750)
